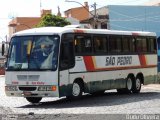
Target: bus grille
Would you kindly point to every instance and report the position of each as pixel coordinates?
(27, 88)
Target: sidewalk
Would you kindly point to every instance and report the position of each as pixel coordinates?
(152, 86)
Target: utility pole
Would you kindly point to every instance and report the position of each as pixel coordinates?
(95, 14)
(40, 6)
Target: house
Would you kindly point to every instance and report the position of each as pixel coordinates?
(22, 23)
(152, 3)
(98, 21)
(79, 13)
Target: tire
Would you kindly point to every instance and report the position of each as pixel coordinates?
(129, 84)
(137, 85)
(77, 89)
(34, 99)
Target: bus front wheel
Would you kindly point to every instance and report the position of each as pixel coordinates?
(34, 99)
(77, 89)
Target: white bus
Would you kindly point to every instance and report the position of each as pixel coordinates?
(59, 61)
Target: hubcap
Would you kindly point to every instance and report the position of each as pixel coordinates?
(138, 83)
(129, 84)
(76, 89)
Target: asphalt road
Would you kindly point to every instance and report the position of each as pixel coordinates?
(110, 106)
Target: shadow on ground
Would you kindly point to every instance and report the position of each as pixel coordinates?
(107, 99)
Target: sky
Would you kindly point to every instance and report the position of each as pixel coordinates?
(31, 8)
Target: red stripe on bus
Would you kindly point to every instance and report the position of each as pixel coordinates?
(79, 31)
(142, 59)
(89, 63)
(135, 34)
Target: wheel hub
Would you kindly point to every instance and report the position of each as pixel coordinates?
(138, 84)
(129, 84)
(76, 89)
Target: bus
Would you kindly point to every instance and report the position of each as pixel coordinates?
(60, 61)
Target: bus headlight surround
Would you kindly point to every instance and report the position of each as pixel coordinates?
(47, 88)
(11, 88)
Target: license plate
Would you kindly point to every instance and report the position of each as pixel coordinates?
(27, 93)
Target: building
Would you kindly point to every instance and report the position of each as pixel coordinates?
(134, 18)
(79, 13)
(98, 20)
(22, 23)
(153, 3)
(73, 15)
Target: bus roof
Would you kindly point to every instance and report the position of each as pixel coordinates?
(60, 30)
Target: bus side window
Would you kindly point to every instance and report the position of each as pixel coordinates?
(83, 44)
(152, 45)
(141, 44)
(126, 44)
(115, 45)
(100, 44)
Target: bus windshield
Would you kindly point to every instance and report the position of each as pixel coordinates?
(33, 53)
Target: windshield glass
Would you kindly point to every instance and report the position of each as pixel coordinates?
(33, 52)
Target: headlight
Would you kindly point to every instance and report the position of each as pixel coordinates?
(47, 88)
(11, 88)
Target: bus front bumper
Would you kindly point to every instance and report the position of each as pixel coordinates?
(32, 91)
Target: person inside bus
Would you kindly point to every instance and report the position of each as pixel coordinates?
(39, 55)
(50, 58)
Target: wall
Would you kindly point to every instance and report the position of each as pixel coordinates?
(142, 18)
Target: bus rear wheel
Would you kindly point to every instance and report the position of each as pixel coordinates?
(137, 85)
(34, 99)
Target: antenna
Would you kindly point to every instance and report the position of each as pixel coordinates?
(12, 15)
(40, 5)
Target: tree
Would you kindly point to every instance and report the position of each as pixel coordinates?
(53, 20)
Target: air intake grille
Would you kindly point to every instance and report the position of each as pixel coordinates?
(27, 88)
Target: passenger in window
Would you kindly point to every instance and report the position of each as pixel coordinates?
(50, 55)
(87, 45)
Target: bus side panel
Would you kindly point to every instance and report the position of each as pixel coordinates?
(111, 72)
(99, 73)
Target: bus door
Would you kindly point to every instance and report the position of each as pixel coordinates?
(67, 61)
